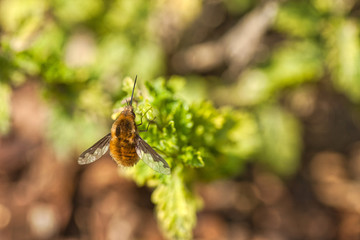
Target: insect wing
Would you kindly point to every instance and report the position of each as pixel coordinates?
(95, 151)
(150, 157)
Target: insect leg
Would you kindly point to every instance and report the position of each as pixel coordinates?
(142, 117)
(147, 128)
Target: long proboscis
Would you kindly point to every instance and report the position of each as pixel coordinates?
(132, 94)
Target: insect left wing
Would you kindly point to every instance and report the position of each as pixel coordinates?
(95, 151)
(150, 157)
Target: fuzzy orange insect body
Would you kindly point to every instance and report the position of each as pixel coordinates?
(123, 139)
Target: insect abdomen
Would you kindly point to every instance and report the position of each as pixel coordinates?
(123, 154)
(122, 143)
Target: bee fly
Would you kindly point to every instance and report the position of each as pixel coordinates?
(125, 144)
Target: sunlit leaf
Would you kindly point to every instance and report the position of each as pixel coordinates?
(344, 56)
(281, 140)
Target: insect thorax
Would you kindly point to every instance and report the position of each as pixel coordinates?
(124, 128)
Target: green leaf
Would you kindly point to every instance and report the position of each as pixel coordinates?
(281, 140)
(342, 37)
(176, 206)
(298, 18)
(191, 157)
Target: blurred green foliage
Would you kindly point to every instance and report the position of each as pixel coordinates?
(79, 50)
(4, 108)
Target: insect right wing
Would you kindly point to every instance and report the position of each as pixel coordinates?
(151, 157)
(95, 151)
